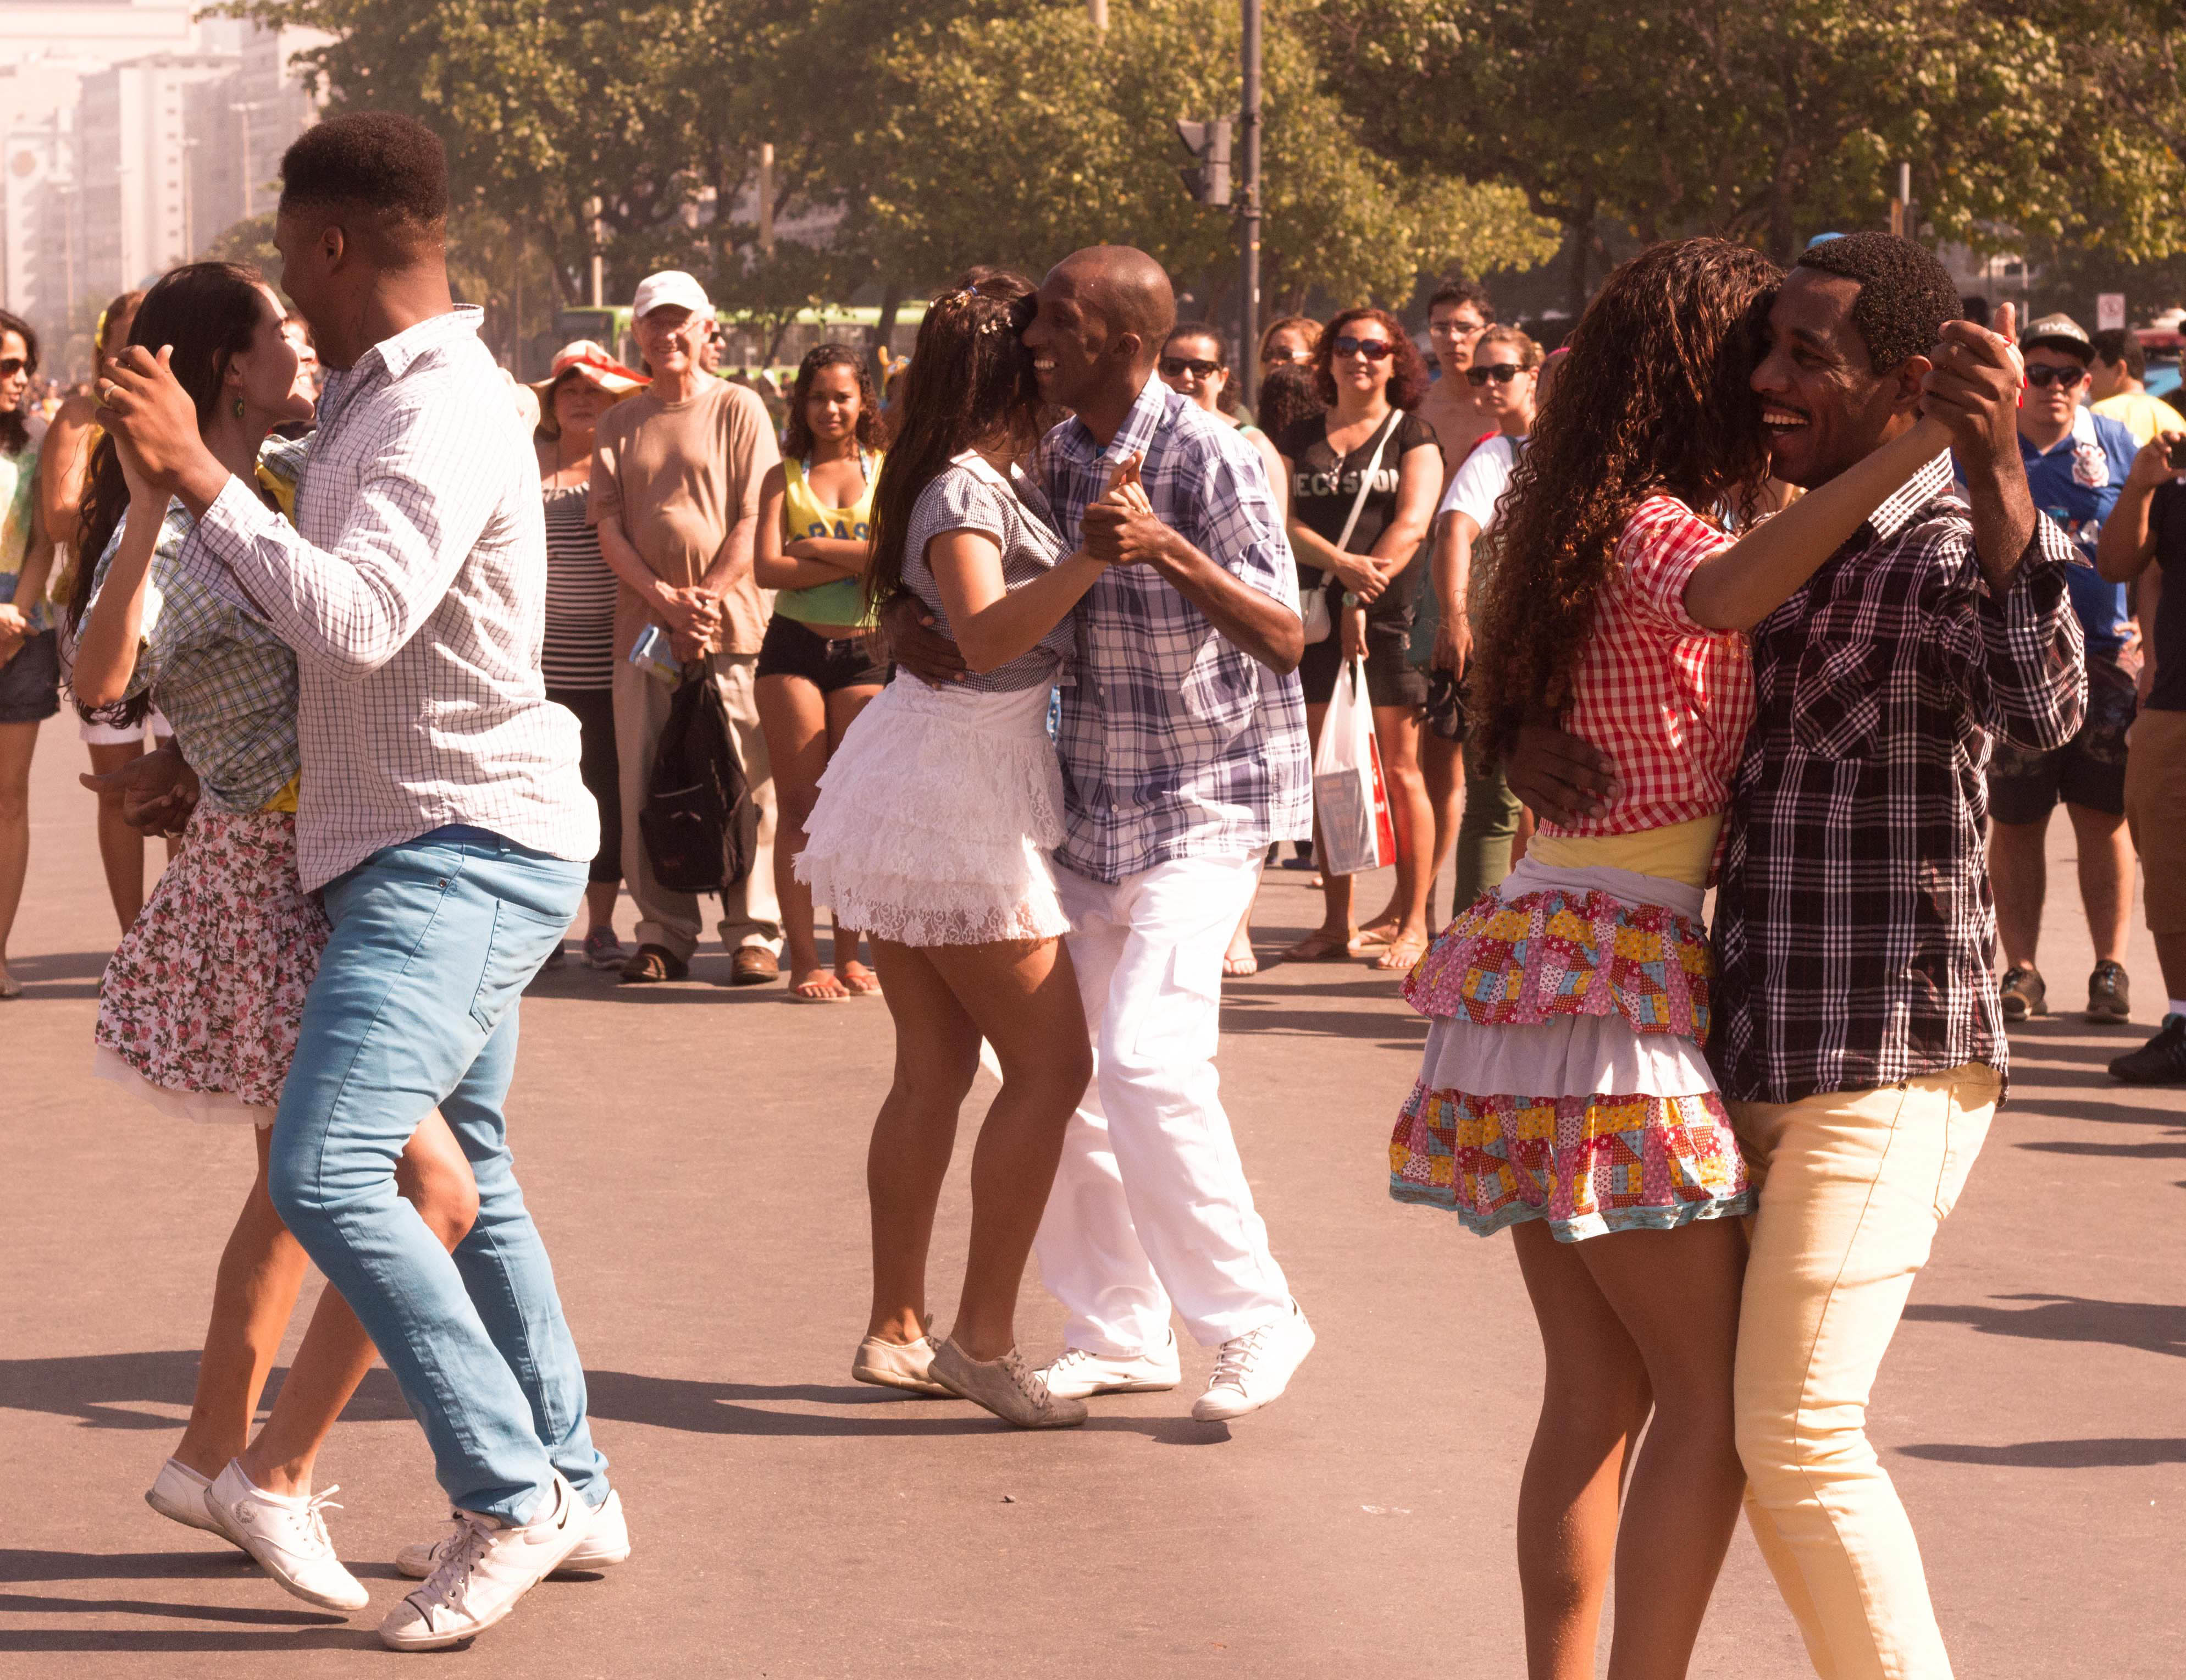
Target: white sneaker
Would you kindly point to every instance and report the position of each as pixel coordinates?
(178, 1494)
(288, 1535)
(1252, 1369)
(486, 1566)
(1077, 1373)
(606, 1541)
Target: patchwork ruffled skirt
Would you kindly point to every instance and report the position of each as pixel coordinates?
(936, 816)
(203, 999)
(1563, 1078)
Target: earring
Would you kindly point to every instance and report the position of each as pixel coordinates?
(239, 407)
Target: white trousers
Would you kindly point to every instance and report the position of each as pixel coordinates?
(1151, 1207)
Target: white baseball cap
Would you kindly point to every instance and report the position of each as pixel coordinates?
(670, 286)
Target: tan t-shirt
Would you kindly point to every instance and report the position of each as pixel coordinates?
(677, 475)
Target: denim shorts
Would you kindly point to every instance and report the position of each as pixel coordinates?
(31, 682)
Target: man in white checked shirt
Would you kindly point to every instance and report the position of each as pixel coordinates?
(441, 814)
(1184, 756)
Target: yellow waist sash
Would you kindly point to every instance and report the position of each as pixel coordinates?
(285, 799)
(1679, 853)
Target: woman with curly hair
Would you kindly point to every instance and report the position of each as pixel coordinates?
(1363, 482)
(1563, 1092)
(816, 669)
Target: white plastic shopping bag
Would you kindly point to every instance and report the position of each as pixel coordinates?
(1349, 796)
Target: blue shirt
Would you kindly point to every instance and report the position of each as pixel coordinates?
(1175, 742)
(2077, 484)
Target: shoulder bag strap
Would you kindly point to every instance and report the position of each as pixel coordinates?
(1366, 479)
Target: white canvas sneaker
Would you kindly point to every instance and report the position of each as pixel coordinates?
(178, 1494)
(606, 1541)
(486, 1566)
(1254, 1368)
(1077, 1373)
(288, 1535)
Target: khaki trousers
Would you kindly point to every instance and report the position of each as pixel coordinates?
(750, 914)
(1853, 1185)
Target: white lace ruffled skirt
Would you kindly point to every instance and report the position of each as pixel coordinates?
(936, 816)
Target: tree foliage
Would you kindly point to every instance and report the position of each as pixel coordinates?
(1771, 120)
(912, 138)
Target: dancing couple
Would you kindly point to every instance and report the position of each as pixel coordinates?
(1069, 902)
(390, 835)
(1808, 698)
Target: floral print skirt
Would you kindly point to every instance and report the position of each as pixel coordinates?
(201, 1003)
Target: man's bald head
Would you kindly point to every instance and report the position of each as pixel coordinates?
(1128, 289)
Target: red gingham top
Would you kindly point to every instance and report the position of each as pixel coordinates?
(1667, 698)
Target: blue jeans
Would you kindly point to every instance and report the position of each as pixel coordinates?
(414, 1008)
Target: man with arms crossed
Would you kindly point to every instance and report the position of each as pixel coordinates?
(441, 812)
(1859, 1039)
(1183, 756)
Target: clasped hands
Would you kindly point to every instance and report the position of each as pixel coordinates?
(694, 617)
(1121, 529)
(1973, 386)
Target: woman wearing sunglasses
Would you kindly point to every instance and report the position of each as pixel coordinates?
(1504, 375)
(1194, 365)
(30, 665)
(1362, 482)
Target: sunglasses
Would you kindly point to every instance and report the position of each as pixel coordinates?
(2041, 377)
(1374, 350)
(1176, 367)
(12, 365)
(1502, 373)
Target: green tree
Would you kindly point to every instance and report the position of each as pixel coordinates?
(1769, 121)
(1022, 133)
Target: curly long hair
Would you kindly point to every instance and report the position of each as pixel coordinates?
(797, 431)
(1653, 397)
(1407, 369)
(970, 382)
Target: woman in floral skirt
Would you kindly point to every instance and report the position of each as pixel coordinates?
(1563, 1092)
(200, 1007)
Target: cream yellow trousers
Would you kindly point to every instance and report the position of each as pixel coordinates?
(1853, 1187)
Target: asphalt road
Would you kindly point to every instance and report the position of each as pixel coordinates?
(695, 1157)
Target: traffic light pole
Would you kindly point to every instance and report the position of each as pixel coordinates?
(1248, 209)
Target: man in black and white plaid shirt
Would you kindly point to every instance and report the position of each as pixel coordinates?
(1859, 1039)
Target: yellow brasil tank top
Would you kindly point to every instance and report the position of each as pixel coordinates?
(802, 516)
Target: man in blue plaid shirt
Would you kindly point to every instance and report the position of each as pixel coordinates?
(1184, 752)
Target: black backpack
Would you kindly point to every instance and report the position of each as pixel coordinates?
(698, 824)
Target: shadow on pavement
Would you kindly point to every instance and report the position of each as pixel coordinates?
(100, 1390)
(725, 1408)
(2116, 1453)
(2150, 1326)
(217, 1562)
(47, 976)
(2137, 1151)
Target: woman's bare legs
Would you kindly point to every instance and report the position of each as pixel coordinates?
(17, 742)
(844, 706)
(1403, 923)
(120, 848)
(1024, 999)
(435, 1177)
(1332, 938)
(1634, 1318)
(937, 1052)
(792, 714)
(1441, 768)
(261, 1271)
(1239, 959)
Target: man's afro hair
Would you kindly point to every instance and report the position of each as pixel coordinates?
(1905, 295)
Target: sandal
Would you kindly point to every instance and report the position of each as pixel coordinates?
(1402, 955)
(1236, 968)
(861, 980)
(818, 987)
(1322, 946)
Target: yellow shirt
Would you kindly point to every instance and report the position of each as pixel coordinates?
(2141, 414)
